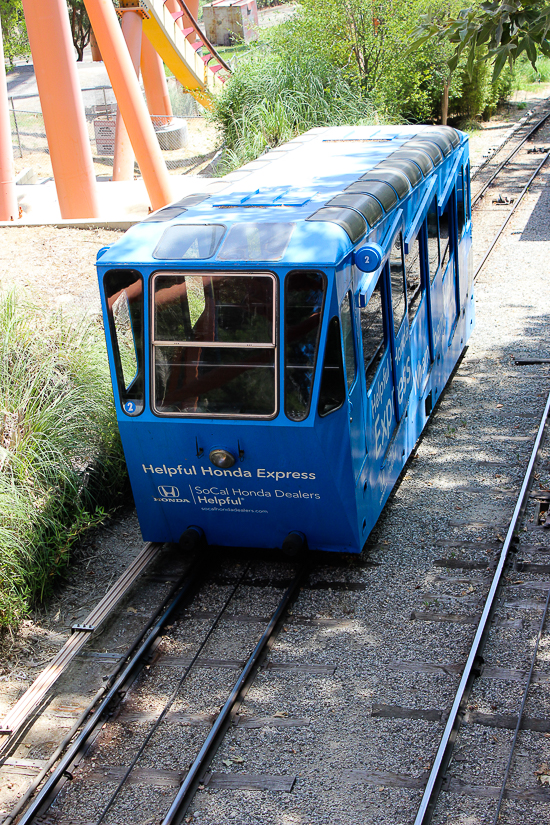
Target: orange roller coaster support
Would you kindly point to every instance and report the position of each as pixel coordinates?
(62, 108)
(154, 80)
(123, 163)
(8, 199)
(130, 100)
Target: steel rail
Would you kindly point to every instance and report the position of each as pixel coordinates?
(486, 185)
(86, 712)
(435, 779)
(33, 696)
(196, 771)
(185, 588)
(510, 213)
(521, 709)
(173, 696)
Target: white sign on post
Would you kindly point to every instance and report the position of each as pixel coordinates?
(105, 136)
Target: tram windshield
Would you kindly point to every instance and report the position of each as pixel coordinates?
(214, 344)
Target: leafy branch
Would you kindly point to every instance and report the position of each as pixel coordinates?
(502, 30)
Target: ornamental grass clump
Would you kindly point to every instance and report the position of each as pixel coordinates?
(61, 463)
(271, 98)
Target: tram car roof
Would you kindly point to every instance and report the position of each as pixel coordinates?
(308, 201)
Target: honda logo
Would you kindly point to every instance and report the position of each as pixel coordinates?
(169, 492)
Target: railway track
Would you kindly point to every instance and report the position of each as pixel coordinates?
(367, 664)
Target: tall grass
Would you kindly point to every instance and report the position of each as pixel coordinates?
(61, 462)
(270, 99)
(526, 78)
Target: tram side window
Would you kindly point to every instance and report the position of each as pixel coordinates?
(347, 335)
(460, 195)
(304, 295)
(397, 273)
(333, 385)
(444, 235)
(124, 296)
(413, 275)
(214, 344)
(433, 239)
(372, 333)
(468, 193)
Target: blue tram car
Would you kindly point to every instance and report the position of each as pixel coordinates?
(277, 346)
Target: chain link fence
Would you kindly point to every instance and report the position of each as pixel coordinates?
(188, 141)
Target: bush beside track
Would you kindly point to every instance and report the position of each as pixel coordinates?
(61, 463)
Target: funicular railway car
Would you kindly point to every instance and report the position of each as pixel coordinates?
(278, 346)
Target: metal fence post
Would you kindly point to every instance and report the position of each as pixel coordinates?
(16, 128)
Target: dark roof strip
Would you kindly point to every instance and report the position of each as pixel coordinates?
(176, 209)
(368, 206)
(383, 192)
(351, 221)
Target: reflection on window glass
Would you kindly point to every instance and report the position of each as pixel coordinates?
(397, 273)
(187, 242)
(333, 386)
(256, 242)
(304, 293)
(413, 275)
(229, 381)
(433, 239)
(444, 235)
(372, 333)
(347, 335)
(125, 338)
(214, 308)
(214, 345)
(124, 296)
(460, 211)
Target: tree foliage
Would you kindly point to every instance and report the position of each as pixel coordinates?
(505, 29)
(14, 30)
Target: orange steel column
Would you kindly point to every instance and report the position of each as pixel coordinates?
(62, 108)
(9, 211)
(130, 100)
(154, 80)
(123, 162)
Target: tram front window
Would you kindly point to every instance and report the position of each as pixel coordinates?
(214, 344)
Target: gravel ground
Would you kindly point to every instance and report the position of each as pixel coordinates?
(333, 733)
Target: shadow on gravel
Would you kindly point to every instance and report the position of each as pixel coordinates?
(537, 227)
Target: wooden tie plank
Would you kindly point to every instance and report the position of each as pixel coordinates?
(220, 780)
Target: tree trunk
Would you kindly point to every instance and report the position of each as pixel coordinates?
(445, 102)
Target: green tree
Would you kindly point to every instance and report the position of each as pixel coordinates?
(14, 30)
(505, 29)
(80, 26)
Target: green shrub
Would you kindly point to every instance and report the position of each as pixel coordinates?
(61, 461)
(271, 98)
